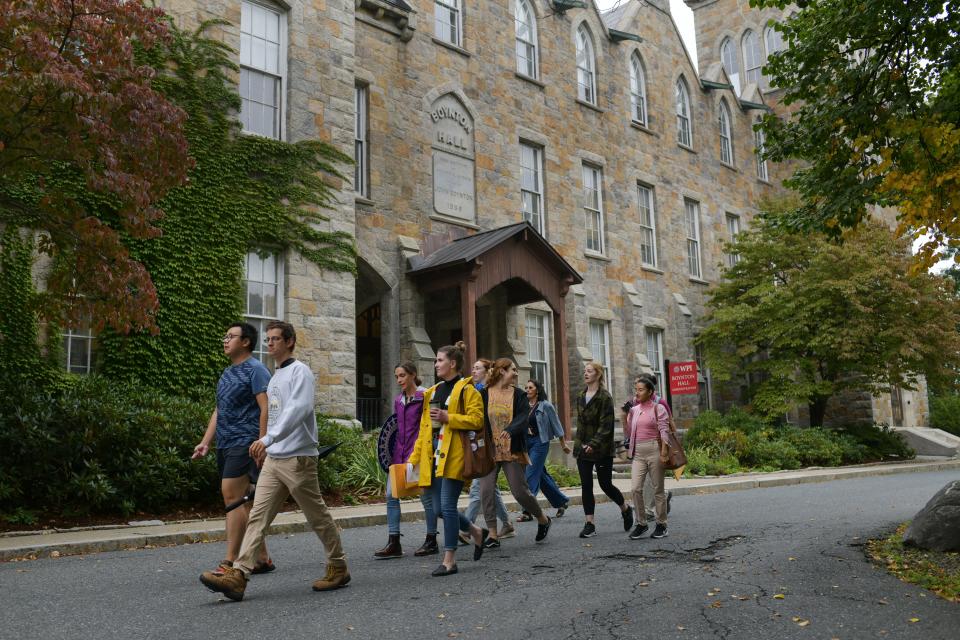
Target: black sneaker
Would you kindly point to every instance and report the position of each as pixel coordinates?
(543, 530)
(588, 530)
(491, 543)
(627, 518)
(659, 531)
(638, 531)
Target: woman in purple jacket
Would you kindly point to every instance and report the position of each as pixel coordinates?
(408, 407)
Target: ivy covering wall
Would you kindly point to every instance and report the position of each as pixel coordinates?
(245, 192)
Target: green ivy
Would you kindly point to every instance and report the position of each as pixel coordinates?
(245, 191)
(19, 347)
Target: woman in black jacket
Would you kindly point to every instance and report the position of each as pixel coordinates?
(506, 411)
(593, 447)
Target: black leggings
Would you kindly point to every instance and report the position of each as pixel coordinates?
(604, 477)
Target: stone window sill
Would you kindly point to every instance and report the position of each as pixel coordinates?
(589, 105)
(651, 269)
(729, 166)
(642, 127)
(364, 201)
(527, 78)
(766, 182)
(597, 256)
(687, 149)
(452, 47)
(698, 280)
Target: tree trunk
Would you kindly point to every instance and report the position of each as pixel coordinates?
(818, 408)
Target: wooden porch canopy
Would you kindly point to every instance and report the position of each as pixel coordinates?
(521, 260)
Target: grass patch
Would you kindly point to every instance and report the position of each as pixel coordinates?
(934, 570)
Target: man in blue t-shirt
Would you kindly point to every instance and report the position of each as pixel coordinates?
(239, 419)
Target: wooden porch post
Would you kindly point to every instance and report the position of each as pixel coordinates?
(562, 369)
(468, 320)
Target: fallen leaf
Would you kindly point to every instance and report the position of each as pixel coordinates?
(349, 628)
(779, 596)
(716, 605)
(680, 627)
(54, 554)
(644, 584)
(453, 634)
(792, 559)
(711, 593)
(441, 615)
(914, 619)
(882, 601)
(588, 545)
(741, 598)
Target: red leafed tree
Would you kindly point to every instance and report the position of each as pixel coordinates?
(87, 148)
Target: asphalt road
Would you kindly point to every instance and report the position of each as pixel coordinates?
(719, 574)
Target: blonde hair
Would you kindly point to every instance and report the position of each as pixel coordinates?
(496, 371)
(598, 367)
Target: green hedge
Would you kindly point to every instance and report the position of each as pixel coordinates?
(88, 445)
(739, 441)
(945, 413)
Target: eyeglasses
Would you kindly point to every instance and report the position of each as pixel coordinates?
(230, 336)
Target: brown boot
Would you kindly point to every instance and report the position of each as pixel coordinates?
(392, 550)
(429, 546)
(231, 583)
(337, 576)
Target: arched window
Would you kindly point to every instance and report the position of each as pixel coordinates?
(726, 140)
(525, 23)
(760, 141)
(731, 63)
(586, 67)
(773, 40)
(684, 133)
(638, 90)
(752, 58)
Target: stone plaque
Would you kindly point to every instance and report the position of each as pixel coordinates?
(453, 185)
(453, 160)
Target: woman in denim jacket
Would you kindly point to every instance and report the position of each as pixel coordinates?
(544, 425)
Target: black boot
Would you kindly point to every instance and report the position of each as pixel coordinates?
(392, 550)
(429, 546)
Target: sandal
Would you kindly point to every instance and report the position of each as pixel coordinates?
(264, 567)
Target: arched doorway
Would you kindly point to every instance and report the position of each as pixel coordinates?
(372, 299)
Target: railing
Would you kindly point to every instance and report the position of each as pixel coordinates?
(368, 413)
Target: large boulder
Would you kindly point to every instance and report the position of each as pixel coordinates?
(937, 525)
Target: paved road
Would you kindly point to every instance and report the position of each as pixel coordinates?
(716, 575)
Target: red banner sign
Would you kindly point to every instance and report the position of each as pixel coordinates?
(683, 378)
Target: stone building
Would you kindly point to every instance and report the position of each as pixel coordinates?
(543, 180)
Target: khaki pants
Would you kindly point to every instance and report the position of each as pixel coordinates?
(295, 477)
(517, 479)
(646, 464)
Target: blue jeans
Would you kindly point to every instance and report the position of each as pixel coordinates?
(474, 507)
(445, 492)
(393, 512)
(537, 475)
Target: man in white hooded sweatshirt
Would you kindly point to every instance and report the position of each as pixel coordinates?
(289, 456)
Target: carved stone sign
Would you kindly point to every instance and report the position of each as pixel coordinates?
(453, 160)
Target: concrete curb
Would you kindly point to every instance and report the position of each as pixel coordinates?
(97, 539)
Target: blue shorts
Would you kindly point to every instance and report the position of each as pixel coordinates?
(235, 462)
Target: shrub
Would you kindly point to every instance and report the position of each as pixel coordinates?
(879, 442)
(707, 461)
(331, 470)
(773, 455)
(945, 413)
(815, 447)
(93, 446)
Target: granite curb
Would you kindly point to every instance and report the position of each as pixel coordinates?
(28, 546)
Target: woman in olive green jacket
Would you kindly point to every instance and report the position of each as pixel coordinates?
(593, 447)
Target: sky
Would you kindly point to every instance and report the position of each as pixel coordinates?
(681, 14)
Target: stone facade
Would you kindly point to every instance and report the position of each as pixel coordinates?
(412, 80)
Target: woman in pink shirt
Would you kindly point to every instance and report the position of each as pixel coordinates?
(648, 426)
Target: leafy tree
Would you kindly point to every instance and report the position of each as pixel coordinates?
(876, 121)
(814, 317)
(78, 111)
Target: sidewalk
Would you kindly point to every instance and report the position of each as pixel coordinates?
(32, 545)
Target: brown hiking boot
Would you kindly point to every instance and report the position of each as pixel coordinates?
(337, 576)
(231, 583)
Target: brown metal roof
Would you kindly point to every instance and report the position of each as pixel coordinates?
(469, 248)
